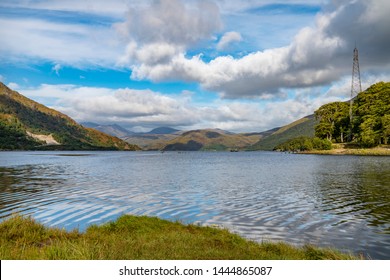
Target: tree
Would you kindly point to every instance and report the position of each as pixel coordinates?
(334, 121)
(371, 118)
(372, 111)
(385, 128)
(304, 143)
(324, 130)
(369, 136)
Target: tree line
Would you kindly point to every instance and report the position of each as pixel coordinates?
(365, 123)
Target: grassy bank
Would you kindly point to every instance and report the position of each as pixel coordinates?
(133, 237)
(342, 149)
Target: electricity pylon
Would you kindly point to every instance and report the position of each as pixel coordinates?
(356, 86)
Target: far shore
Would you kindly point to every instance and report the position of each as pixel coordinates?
(341, 149)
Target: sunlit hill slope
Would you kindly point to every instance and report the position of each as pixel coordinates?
(26, 124)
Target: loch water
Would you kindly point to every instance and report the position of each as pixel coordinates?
(330, 201)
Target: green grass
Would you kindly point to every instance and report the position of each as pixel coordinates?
(345, 149)
(132, 237)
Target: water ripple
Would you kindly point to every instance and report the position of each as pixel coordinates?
(329, 201)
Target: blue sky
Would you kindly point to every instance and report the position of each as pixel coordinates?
(239, 65)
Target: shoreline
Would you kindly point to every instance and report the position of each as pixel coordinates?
(146, 238)
(377, 151)
(340, 149)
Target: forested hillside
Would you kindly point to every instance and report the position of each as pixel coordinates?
(370, 125)
(25, 124)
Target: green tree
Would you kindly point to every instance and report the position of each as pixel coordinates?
(304, 143)
(372, 111)
(369, 136)
(334, 121)
(371, 118)
(385, 129)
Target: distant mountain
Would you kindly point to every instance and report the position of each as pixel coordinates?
(301, 127)
(150, 142)
(264, 133)
(220, 140)
(112, 129)
(153, 140)
(194, 140)
(26, 124)
(90, 124)
(163, 130)
(210, 140)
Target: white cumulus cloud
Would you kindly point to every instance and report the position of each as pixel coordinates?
(318, 55)
(156, 33)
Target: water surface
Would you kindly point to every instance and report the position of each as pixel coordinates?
(337, 201)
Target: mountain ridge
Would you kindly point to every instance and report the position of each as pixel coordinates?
(163, 130)
(210, 140)
(301, 127)
(24, 124)
(110, 129)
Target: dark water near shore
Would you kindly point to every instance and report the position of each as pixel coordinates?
(337, 201)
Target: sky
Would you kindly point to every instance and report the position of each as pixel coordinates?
(237, 65)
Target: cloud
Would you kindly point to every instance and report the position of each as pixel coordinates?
(111, 8)
(165, 40)
(13, 86)
(74, 44)
(364, 23)
(2, 78)
(156, 33)
(318, 55)
(150, 54)
(64, 91)
(171, 22)
(126, 106)
(342, 88)
(56, 68)
(227, 39)
(256, 74)
(146, 109)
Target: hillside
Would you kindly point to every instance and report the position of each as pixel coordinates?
(111, 129)
(26, 124)
(210, 140)
(370, 124)
(301, 127)
(163, 130)
(151, 142)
